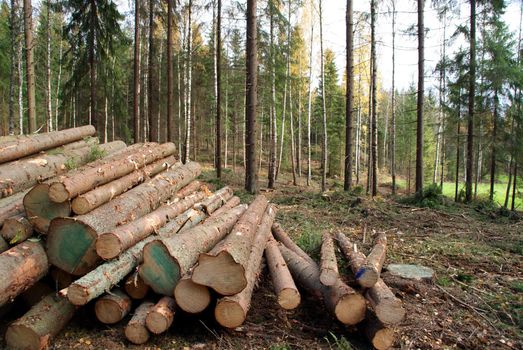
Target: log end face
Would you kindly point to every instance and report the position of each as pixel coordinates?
(289, 298)
(159, 270)
(21, 337)
(108, 311)
(328, 277)
(40, 210)
(220, 273)
(58, 193)
(137, 334)
(80, 205)
(77, 295)
(108, 246)
(390, 312)
(229, 313)
(367, 276)
(351, 309)
(191, 297)
(157, 323)
(383, 339)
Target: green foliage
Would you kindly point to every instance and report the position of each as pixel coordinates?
(95, 153)
(339, 343)
(71, 163)
(432, 197)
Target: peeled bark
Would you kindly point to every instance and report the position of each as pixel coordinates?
(231, 203)
(161, 315)
(328, 264)
(16, 229)
(341, 300)
(135, 287)
(107, 275)
(112, 307)
(284, 238)
(231, 311)
(136, 331)
(284, 287)
(168, 259)
(71, 241)
(387, 307)
(381, 337)
(191, 297)
(11, 206)
(24, 173)
(369, 273)
(224, 267)
(69, 186)
(26, 145)
(214, 202)
(21, 267)
(94, 198)
(111, 244)
(43, 322)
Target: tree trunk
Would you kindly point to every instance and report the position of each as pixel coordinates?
(231, 256)
(218, 150)
(24, 146)
(70, 186)
(369, 273)
(231, 203)
(27, 172)
(49, 112)
(112, 307)
(421, 95)
(161, 315)
(30, 67)
(374, 118)
(456, 192)
(153, 77)
(272, 110)
(22, 266)
(111, 244)
(309, 105)
(170, 77)
(66, 233)
(135, 287)
(11, 206)
(168, 259)
(514, 187)
(472, 95)
(493, 146)
(349, 108)
(13, 26)
(136, 331)
(284, 238)
(188, 86)
(328, 264)
(214, 202)
(324, 150)
(16, 229)
(136, 72)
(92, 199)
(251, 98)
(393, 93)
(43, 322)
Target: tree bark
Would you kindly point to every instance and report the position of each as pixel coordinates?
(231, 311)
(217, 200)
(22, 266)
(472, 95)
(374, 120)
(16, 229)
(218, 150)
(71, 241)
(393, 93)
(284, 287)
(30, 67)
(49, 112)
(136, 331)
(136, 74)
(493, 146)
(168, 259)
(369, 273)
(41, 324)
(231, 203)
(328, 264)
(170, 76)
(349, 108)
(251, 98)
(421, 95)
(309, 104)
(153, 77)
(161, 315)
(324, 150)
(112, 307)
(233, 252)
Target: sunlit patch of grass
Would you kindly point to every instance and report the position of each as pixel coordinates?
(340, 343)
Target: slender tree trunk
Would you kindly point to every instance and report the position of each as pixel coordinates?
(20, 80)
(324, 153)
(48, 111)
(58, 80)
(456, 196)
(136, 77)
(472, 93)
(299, 150)
(493, 146)
(393, 93)
(218, 90)
(188, 74)
(226, 151)
(421, 94)
(374, 123)
(13, 26)
(251, 94)
(179, 68)
(443, 86)
(153, 79)
(170, 76)
(30, 73)
(272, 118)
(293, 147)
(309, 106)
(514, 187)
(92, 67)
(349, 107)
(509, 184)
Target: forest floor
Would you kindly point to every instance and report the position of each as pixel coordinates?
(474, 302)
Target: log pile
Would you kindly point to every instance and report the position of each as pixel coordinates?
(135, 233)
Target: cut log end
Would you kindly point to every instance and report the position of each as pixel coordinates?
(229, 313)
(220, 273)
(191, 297)
(328, 277)
(137, 334)
(77, 295)
(112, 308)
(289, 298)
(161, 315)
(390, 311)
(58, 193)
(108, 246)
(135, 287)
(81, 205)
(350, 309)
(23, 337)
(383, 339)
(367, 276)
(40, 210)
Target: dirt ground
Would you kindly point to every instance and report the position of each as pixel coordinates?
(474, 302)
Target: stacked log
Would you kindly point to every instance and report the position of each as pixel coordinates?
(136, 331)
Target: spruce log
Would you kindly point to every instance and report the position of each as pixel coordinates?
(224, 267)
(231, 203)
(112, 307)
(71, 241)
(3, 245)
(108, 274)
(69, 186)
(166, 260)
(16, 229)
(136, 331)
(189, 218)
(25, 173)
(194, 186)
(161, 316)
(284, 287)
(11, 206)
(111, 244)
(21, 267)
(191, 297)
(24, 146)
(328, 264)
(231, 311)
(381, 337)
(94, 198)
(347, 305)
(355, 258)
(283, 237)
(135, 287)
(36, 329)
(214, 202)
(369, 272)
